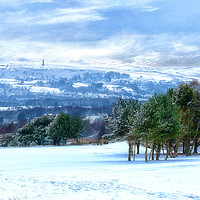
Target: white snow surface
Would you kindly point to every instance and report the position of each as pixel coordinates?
(94, 173)
(44, 90)
(77, 85)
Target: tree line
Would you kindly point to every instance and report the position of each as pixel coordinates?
(44, 130)
(48, 130)
(163, 123)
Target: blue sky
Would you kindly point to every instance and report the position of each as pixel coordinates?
(154, 33)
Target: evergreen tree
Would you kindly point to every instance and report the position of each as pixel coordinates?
(195, 85)
(168, 126)
(189, 116)
(156, 123)
(140, 126)
(34, 131)
(64, 127)
(121, 121)
(77, 126)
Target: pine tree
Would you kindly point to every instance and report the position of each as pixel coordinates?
(121, 121)
(34, 131)
(189, 116)
(64, 127)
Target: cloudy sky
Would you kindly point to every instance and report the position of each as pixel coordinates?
(155, 33)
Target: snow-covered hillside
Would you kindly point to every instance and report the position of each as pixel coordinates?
(94, 172)
(23, 84)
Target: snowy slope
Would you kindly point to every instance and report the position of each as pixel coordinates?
(147, 73)
(94, 172)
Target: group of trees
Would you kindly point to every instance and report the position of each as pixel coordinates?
(50, 130)
(53, 129)
(164, 122)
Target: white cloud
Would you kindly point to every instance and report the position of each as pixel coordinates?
(68, 15)
(118, 3)
(179, 47)
(54, 17)
(17, 3)
(41, 1)
(85, 41)
(9, 3)
(150, 8)
(147, 59)
(117, 51)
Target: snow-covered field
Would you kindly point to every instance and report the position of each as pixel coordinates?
(94, 172)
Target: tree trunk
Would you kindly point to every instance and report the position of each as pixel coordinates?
(163, 149)
(187, 148)
(193, 144)
(138, 147)
(196, 146)
(167, 154)
(153, 149)
(158, 152)
(58, 141)
(134, 152)
(176, 148)
(150, 155)
(146, 151)
(183, 147)
(130, 150)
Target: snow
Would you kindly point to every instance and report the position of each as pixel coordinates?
(6, 108)
(10, 81)
(92, 118)
(21, 86)
(77, 85)
(15, 108)
(44, 90)
(94, 172)
(112, 87)
(128, 89)
(31, 82)
(151, 76)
